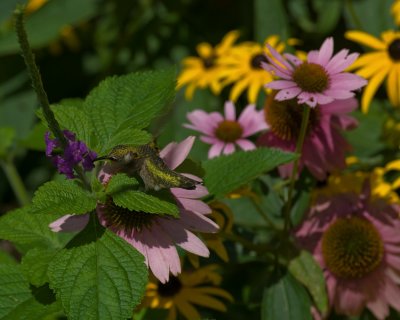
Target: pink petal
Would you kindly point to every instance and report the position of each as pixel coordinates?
(349, 299)
(323, 99)
(199, 192)
(281, 84)
(175, 153)
(216, 149)
(197, 222)
(287, 94)
(184, 238)
(70, 223)
(209, 140)
(194, 205)
(392, 294)
(336, 60)
(245, 144)
(312, 56)
(343, 64)
(230, 112)
(293, 59)
(347, 81)
(307, 98)
(229, 148)
(326, 51)
(278, 57)
(378, 307)
(339, 94)
(277, 71)
(202, 122)
(340, 106)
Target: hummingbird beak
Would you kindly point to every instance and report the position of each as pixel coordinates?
(101, 158)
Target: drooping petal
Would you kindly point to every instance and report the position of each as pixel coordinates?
(70, 223)
(175, 153)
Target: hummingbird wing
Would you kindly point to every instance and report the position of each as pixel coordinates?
(156, 175)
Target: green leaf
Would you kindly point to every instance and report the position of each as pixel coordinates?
(131, 136)
(17, 301)
(270, 18)
(286, 300)
(374, 16)
(129, 101)
(45, 24)
(35, 264)
(226, 173)
(35, 139)
(22, 227)
(18, 111)
(74, 119)
(104, 279)
(140, 201)
(321, 18)
(6, 258)
(121, 182)
(305, 269)
(62, 197)
(14, 288)
(6, 139)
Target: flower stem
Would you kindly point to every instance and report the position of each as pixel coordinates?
(263, 214)
(35, 75)
(16, 182)
(299, 148)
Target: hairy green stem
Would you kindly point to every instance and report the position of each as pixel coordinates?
(293, 178)
(34, 74)
(15, 181)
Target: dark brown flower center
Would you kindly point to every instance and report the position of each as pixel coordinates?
(125, 219)
(394, 50)
(284, 117)
(169, 289)
(311, 77)
(229, 131)
(352, 248)
(256, 60)
(209, 62)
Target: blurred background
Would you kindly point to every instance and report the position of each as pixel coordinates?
(78, 43)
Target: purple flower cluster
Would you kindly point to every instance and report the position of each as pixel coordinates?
(76, 152)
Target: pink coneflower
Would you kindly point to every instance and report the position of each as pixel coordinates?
(223, 133)
(324, 148)
(152, 235)
(319, 80)
(356, 241)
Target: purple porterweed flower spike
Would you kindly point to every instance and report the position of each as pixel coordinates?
(75, 153)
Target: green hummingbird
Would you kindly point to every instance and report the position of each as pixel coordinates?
(145, 161)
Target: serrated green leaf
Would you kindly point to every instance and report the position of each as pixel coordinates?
(16, 298)
(121, 182)
(104, 279)
(22, 227)
(14, 288)
(305, 269)
(286, 300)
(130, 136)
(226, 173)
(74, 119)
(45, 24)
(62, 197)
(142, 202)
(129, 101)
(35, 264)
(7, 135)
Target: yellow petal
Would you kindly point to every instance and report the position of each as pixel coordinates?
(394, 165)
(369, 58)
(172, 313)
(254, 89)
(204, 50)
(238, 89)
(372, 69)
(206, 301)
(227, 42)
(187, 310)
(392, 86)
(365, 39)
(371, 88)
(216, 292)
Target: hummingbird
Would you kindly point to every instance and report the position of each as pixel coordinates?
(145, 161)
